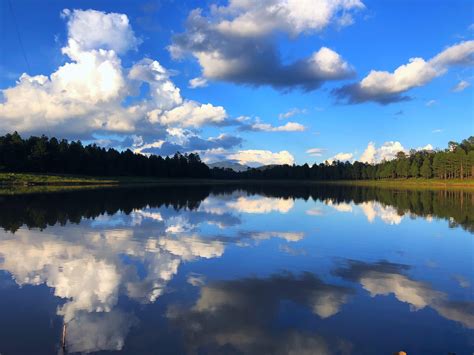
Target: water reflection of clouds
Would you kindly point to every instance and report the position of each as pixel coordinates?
(89, 272)
(243, 203)
(339, 206)
(237, 316)
(89, 332)
(462, 281)
(384, 278)
(136, 255)
(371, 210)
(387, 214)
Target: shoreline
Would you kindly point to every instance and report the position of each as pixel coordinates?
(23, 181)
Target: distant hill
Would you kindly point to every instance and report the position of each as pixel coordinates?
(265, 167)
(228, 164)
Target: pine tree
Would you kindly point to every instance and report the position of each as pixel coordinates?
(426, 170)
(414, 169)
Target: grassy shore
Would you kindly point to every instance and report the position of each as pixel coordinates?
(26, 181)
(22, 179)
(411, 183)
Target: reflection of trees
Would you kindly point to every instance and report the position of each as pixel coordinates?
(454, 205)
(237, 316)
(41, 210)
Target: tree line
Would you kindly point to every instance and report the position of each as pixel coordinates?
(455, 162)
(50, 155)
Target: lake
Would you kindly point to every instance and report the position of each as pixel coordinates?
(244, 269)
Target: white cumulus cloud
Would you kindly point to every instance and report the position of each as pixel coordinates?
(87, 94)
(385, 87)
(262, 157)
(341, 157)
(386, 151)
(251, 19)
(235, 42)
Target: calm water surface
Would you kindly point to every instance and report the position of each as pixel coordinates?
(271, 269)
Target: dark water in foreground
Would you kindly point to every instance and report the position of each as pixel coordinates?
(268, 269)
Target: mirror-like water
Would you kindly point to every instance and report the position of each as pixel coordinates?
(266, 269)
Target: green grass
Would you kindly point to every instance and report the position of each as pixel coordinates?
(25, 179)
(412, 183)
(43, 179)
(29, 180)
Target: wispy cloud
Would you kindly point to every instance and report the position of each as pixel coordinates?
(461, 86)
(198, 82)
(292, 112)
(248, 124)
(315, 152)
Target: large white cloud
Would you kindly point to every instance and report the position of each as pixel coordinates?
(386, 151)
(90, 29)
(251, 19)
(234, 42)
(385, 87)
(86, 95)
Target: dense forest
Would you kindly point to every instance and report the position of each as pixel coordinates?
(456, 162)
(50, 155)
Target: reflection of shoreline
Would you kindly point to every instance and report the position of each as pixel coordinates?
(43, 210)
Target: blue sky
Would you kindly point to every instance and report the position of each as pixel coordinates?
(279, 78)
